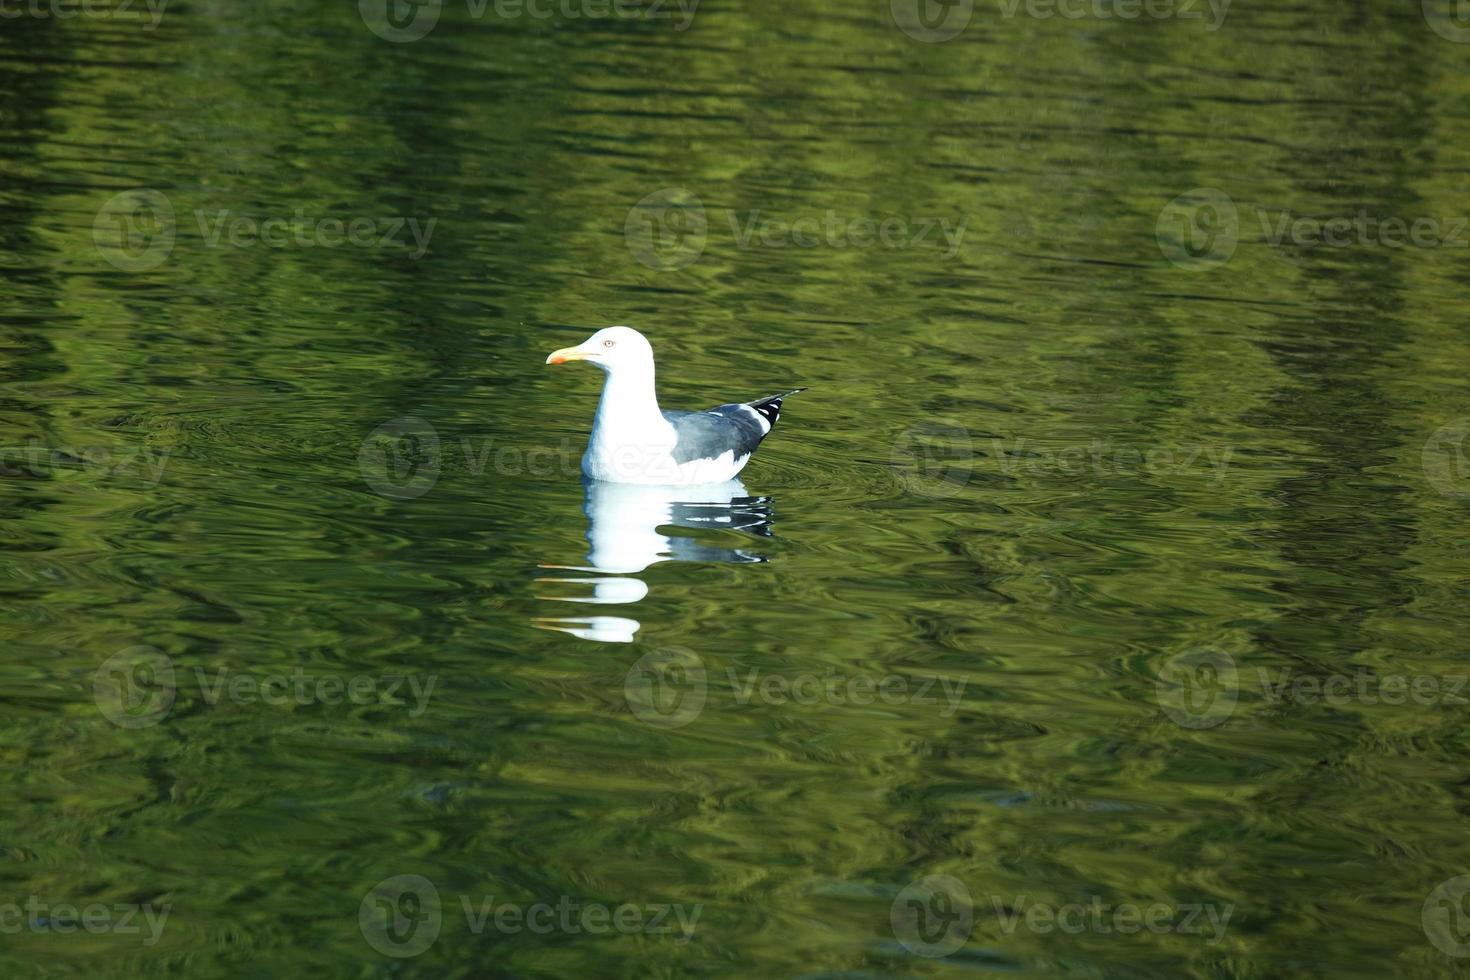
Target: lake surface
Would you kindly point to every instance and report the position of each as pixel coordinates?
(1100, 609)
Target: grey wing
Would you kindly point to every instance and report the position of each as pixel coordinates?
(708, 435)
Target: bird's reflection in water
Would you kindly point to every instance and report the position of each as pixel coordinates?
(624, 535)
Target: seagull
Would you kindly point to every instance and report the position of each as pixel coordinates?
(634, 441)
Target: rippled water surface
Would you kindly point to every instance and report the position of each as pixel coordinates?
(1115, 557)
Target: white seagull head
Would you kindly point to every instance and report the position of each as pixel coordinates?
(612, 349)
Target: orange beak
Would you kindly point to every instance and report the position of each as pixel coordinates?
(564, 355)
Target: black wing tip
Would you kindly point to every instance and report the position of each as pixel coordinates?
(775, 398)
(770, 408)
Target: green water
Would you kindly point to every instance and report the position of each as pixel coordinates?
(1115, 558)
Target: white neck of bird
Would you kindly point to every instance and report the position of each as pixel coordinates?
(628, 411)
